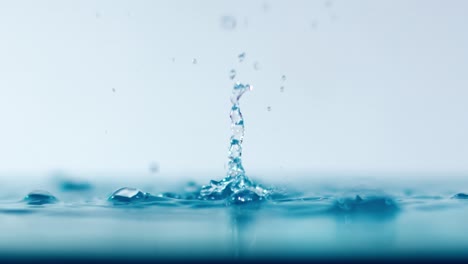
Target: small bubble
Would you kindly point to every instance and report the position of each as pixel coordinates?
(256, 66)
(241, 57)
(154, 167)
(228, 22)
(282, 89)
(194, 61)
(283, 78)
(269, 108)
(232, 74)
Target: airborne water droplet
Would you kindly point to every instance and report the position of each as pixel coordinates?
(154, 167)
(256, 66)
(228, 22)
(283, 78)
(282, 89)
(269, 108)
(194, 61)
(232, 74)
(241, 57)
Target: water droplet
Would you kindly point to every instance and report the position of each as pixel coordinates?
(39, 197)
(241, 57)
(98, 15)
(269, 108)
(228, 22)
(232, 74)
(283, 78)
(328, 3)
(194, 61)
(460, 196)
(173, 59)
(113, 90)
(265, 7)
(256, 66)
(154, 167)
(282, 89)
(128, 195)
(314, 24)
(74, 185)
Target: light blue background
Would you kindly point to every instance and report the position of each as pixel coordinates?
(372, 86)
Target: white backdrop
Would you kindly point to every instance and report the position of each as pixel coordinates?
(371, 85)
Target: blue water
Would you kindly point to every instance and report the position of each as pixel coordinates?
(332, 218)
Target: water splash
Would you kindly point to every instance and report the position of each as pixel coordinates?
(236, 184)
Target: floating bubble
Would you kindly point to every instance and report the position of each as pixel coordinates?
(232, 74)
(228, 22)
(128, 195)
(241, 57)
(40, 197)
